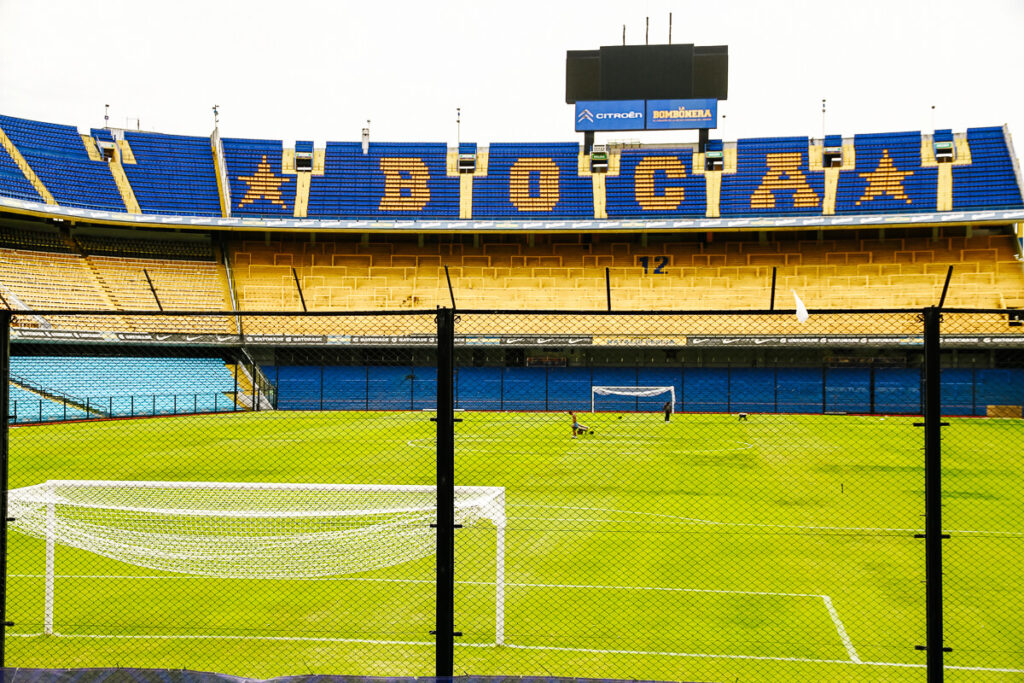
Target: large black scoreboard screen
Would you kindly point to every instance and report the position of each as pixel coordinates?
(647, 72)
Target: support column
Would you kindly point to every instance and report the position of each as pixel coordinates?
(445, 586)
(933, 494)
(5, 409)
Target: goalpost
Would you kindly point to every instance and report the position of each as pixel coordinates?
(632, 391)
(250, 530)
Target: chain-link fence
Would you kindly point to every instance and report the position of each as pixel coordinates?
(666, 496)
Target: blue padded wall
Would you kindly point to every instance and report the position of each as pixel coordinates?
(898, 391)
(569, 388)
(989, 180)
(706, 390)
(424, 388)
(738, 189)
(905, 180)
(481, 389)
(957, 391)
(13, 182)
(660, 377)
(173, 174)
(57, 155)
(524, 388)
(799, 390)
(612, 377)
(353, 184)
(344, 387)
(252, 194)
(998, 387)
(752, 390)
(623, 199)
(848, 390)
(491, 193)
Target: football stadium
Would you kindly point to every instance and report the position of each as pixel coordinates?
(721, 409)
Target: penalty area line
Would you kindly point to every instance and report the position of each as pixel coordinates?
(430, 643)
(843, 635)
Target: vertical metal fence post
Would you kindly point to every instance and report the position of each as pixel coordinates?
(445, 615)
(5, 367)
(933, 493)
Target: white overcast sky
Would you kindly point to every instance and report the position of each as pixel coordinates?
(304, 69)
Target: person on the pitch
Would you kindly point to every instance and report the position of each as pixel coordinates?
(668, 410)
(577, 428)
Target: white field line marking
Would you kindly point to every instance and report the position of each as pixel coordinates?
(429, 443)
(430, 643)
(430, 581)
(847, 643)
(698, 520)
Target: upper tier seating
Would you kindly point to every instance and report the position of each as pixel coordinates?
(58, 156)
(172, 174)
(176, 175)
(539, 181)
(13, 182)
(989, 180)
(654, 184)
(772, 177)
(888, 177)
(258, 188)
(394, 180)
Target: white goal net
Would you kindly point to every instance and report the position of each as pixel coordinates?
(265, 531)
(640, 392)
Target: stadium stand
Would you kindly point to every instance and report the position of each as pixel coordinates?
(108, 245)
(989, 180)
(58, 156)
(888, 177)
(772, 176)
(12, 179)
(655, 184)
(42, 238)
(31, 406)
(102, 272)
(258, 187)
(170, 174)
(566, 272)
(533, 180)
(122, 386)
(393, 180)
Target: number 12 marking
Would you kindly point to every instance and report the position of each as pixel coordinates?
(659, 263)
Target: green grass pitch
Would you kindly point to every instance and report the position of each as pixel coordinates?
(780, 548)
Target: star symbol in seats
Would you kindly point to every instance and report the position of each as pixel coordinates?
(263, 184)
(885, 179)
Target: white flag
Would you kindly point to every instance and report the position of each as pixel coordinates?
(801, 311)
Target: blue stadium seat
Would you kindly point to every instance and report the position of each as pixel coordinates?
(888, 177)
(258, 188)
(58, 156)
(173, 174)
(665, 186)
(772, 178)
(354, 185)
(551, 186)
(989, 181)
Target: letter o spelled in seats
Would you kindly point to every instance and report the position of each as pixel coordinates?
(519, 177)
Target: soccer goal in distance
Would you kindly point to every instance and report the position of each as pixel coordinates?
(638, 392)
(250, 530)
